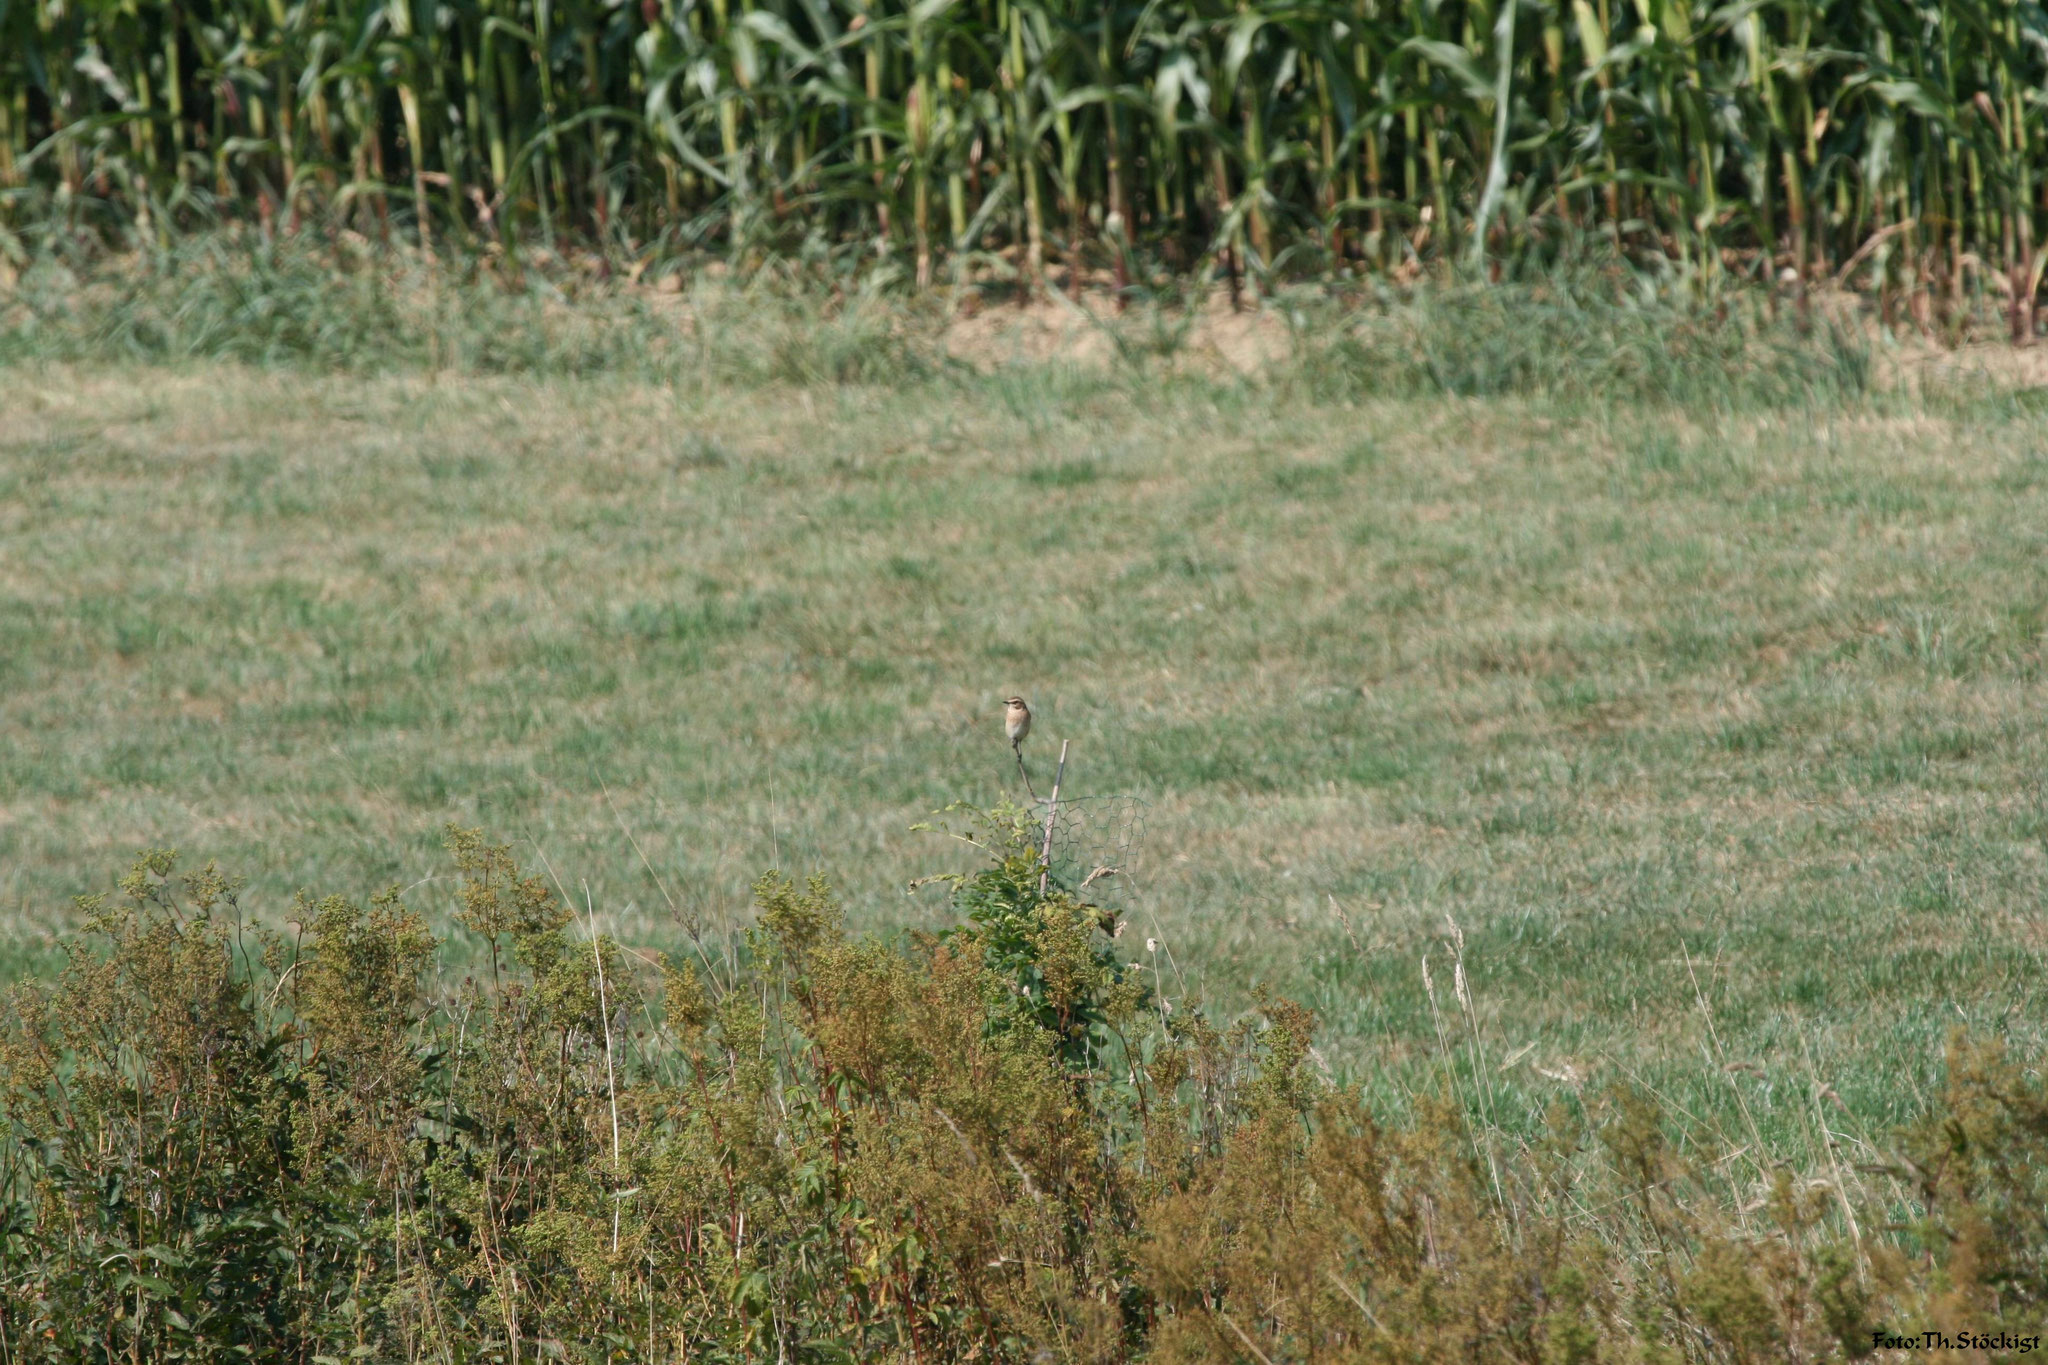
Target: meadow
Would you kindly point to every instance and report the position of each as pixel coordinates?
(1696, 731)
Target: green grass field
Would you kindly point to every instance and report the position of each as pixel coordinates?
(1716, 733)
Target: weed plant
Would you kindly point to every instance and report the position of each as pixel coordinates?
(355, 308)
(1003, 1142)
(1591, 329)
(1580, 334)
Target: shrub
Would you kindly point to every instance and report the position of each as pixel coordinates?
(990, 1144)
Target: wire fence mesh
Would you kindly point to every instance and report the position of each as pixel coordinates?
(1096, 844)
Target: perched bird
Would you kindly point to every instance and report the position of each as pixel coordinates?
(1017, 725)
(1016, 722)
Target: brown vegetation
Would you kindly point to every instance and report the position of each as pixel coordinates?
(993, 1143)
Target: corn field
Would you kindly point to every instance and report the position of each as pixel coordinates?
(1890, 144)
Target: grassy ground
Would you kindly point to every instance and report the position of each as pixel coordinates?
(1715, 734)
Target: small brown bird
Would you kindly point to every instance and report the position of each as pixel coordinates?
(1017, 725)
(1016, 722)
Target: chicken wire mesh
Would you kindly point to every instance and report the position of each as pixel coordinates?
(1096, 843)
